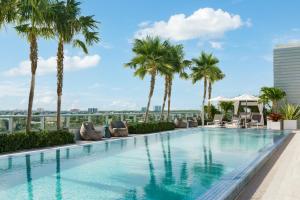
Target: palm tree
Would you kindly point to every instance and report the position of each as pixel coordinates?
(149, 59)
(177, 64)
(7, 11)
(226, 106)
(272, 94)
(33, 21)
(216, 75)
(67, 24)
(204, 66)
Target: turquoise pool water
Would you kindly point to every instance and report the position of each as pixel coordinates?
(177, 165)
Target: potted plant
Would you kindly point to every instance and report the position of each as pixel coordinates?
(270, 97)
(274, 121)
(291, 114)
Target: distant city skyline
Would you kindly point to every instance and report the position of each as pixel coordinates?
(239, 33)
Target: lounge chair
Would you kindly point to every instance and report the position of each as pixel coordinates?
(180, 123)
(218, 120)
(245, 118)
(88, 132)
(118, 129)
(234, 123)
(192, 122)
(256, 120)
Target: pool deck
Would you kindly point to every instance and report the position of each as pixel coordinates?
(279, 178)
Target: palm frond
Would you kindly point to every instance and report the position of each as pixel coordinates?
(80, 44)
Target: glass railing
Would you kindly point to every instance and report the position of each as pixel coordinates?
(17, 123)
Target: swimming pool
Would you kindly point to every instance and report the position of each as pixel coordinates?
(183, 164)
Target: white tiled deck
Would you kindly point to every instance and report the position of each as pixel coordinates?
(279, 179)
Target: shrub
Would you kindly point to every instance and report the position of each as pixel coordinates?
(211, 112)
(141, 128)
(22, 141)
(290, 112)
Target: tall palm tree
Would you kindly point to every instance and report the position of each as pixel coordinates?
(177, 64)
(149, 59)
(216, 75)
(204, 65)
(67, 25)
(33, 21)
(272, 94)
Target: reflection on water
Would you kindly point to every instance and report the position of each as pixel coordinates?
(29, 178)
(42, 157)
(165, 166)
(9, 162)
(58, 191)
(169, 188)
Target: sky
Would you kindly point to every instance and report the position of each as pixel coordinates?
(240, 33)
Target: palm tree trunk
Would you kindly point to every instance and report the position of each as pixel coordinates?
(169, 97)
(209, 97)
(165, 98)
(152, 84)
(60, 74)
(203, 101)
(274, 106)
(34, 60)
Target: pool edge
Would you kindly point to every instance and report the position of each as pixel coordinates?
(46, 149)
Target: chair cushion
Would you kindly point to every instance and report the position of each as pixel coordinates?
(120, 132)
(117, 124)
(256, 118)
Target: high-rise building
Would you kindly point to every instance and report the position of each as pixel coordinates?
(157, 108)
(143, 109)
(287, 71)
(92, 110)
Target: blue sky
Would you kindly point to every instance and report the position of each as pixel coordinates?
(241, 33)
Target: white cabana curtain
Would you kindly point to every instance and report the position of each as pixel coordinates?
(236, 107)
(261, 111)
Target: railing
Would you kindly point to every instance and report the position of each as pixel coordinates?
(17, 123)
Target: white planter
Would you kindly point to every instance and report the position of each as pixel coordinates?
(274, 125)
(290, 124)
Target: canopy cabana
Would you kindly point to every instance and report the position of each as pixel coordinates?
(244, 100)
(219, 99)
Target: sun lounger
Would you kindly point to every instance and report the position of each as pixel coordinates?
(192, 122)
(256, 120)
(88, 132)
(234, 123)
(218, 120)
(180, 123)
(118, 129)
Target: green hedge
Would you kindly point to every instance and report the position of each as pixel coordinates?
(21, 141)
(141, 128)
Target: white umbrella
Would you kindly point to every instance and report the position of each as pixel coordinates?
(245, 97)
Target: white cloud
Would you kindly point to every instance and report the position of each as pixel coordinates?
(287, 37)
(12, 89)
(203, 23)
(216, 45)
(46, 66)
(144, 24)
(45, 98)
(295, 29)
